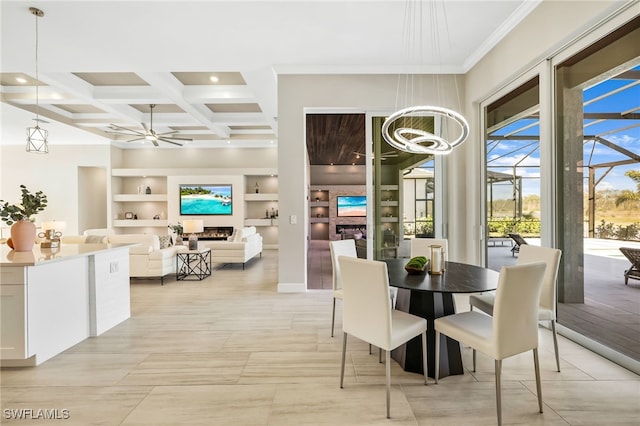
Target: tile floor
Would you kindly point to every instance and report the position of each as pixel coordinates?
(230, 350)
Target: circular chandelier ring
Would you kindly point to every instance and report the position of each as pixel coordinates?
(437, 145)
(423, 140)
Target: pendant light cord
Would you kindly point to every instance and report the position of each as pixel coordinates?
(37, 80)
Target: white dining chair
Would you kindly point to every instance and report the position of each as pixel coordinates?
(547, 308)
(339, 248)
(420, 246)
(513, 329)
(367, 314)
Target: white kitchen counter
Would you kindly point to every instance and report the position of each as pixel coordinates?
(52, 299)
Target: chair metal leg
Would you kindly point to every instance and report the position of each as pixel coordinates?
(333, 316)
(437, 356)
(538, 383)
(380, 355)
(474, 360)
(498, 368)
(555, 343)
(344, 354)
(388, 370)
(425, 366)
(370, 349)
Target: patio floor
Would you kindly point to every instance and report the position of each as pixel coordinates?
(610, 313)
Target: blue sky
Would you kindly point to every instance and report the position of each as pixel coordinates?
(616, 131)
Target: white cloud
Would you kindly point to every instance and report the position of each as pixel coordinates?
(513, 160)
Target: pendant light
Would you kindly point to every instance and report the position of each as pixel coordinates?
(36, 136)
(405, 128)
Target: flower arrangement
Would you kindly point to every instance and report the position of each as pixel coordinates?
(177, 228)
(30, 205)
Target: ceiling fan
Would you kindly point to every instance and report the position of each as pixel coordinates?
(383, 156)
(148, 134)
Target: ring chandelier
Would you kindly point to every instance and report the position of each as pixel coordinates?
(419, 141)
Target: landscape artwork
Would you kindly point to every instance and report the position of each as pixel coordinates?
(206, 200)
(352, 206)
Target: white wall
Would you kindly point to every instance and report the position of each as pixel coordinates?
(297, 92)
(56, 174)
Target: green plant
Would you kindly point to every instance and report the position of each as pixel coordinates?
(30, 205)
(628, 195)
(177, 228)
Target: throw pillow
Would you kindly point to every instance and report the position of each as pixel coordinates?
(165, 241)
(94, 239)
(232, 237)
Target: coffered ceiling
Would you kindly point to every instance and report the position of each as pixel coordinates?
(210, 67)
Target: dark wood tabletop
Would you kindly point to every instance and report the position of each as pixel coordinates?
(457, 278)
(430, 297)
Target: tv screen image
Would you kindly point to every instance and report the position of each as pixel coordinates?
(352, 206)
(206, 200)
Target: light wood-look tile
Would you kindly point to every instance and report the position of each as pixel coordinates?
(230, 350)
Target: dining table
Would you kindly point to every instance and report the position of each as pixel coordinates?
(431, 296)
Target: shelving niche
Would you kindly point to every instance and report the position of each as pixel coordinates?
(125, 198)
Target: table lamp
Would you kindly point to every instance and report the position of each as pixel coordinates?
(192, 227)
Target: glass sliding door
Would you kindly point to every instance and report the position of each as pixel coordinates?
(512, 170)
(597, 98)
(403, 192)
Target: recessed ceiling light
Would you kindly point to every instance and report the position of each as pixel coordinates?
(214, 79)
(21, 80)
(228, 141)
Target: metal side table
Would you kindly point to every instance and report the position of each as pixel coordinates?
(193, 265)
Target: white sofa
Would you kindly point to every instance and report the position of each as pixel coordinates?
(244, 245)
(146, 258)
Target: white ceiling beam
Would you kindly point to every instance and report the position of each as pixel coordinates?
(173, 90)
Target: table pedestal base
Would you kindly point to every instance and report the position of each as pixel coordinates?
(430, 306)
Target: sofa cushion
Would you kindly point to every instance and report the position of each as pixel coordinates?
(145, 243)
(165, 241)
(245, 232)
(95, 239)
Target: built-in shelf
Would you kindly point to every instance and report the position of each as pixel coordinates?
(389, 203)
(319, 219)
(125, 198)
(261, 222)
(389, 219)
(261, 197)
(141, 223)
(319, 204)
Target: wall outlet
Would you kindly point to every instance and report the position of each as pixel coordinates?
(114, 267)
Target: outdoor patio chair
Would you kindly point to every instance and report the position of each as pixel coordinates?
(633, 254)
(519, 241)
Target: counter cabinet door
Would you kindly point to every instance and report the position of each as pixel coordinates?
(13, 322)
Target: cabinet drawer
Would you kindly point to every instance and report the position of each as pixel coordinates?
(12, 275)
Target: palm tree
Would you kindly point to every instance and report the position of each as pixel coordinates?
(627, 194)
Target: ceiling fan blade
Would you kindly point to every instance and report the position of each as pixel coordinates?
(155, 142)
(144, 126)
(177, 138)
(136, 139)
(169, 141)
(124, 129)
(166, 133)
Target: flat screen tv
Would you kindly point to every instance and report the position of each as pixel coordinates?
(206, 199)
(352, 206)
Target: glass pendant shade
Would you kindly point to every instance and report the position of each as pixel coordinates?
(37, 140)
